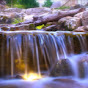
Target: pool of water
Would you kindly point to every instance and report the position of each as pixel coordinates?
(48, 82)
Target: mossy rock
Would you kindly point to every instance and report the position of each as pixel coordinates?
(62, 68)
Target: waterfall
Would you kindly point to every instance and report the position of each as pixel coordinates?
(25, 52)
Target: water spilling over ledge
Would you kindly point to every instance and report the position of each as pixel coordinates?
(23, 52)
(61, 55)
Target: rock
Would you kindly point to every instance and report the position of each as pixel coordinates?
(5, 28)
(16, 28)
(56, 4)
(18, 77)
(28, 17)
(86, 28)
(80, 29)
(82, 66)
(64, 19)
(16, 15)
(9, 17)
(2, 7)
(79, 15)
(77, 6)
(23, 27)
(51, 28)
(65, 83)
(85, 18)
(73, 23)
(10, 10)
(70, 23)
(37, 11)
(5, 19)
(62, 68)
(31, 26)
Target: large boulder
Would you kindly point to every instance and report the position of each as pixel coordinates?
(85, 18)
(70, 23)
(62, 68)
(56, 4)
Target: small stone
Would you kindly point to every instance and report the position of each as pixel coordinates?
(18, 77)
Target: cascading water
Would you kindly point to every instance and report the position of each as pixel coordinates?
(24, 52)
(39, 52)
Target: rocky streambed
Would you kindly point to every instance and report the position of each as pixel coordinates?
(46, 19)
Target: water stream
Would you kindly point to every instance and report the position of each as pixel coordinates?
(23, 52)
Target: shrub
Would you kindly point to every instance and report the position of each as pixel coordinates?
(47, 3)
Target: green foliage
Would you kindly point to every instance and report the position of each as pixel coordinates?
(29, 3)
(22, 3)
(64, 7)
(40, 26)
(11, 2)
(16, 21)
(18, 6)
(47, 3)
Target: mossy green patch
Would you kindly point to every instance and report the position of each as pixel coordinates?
(63, 7)
(16, 21)
(40, 26)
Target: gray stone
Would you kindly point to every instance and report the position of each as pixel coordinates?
(85, 18)
(77, 6)
(70, 23)
(13, 10)
(80, 29)
(5, 19)
(37, 10)
(62, 68)
(56, 4)
(79, 15)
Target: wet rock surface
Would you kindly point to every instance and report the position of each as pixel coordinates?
(62, 68)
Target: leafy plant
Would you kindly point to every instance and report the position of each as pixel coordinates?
(16, 21)
(11, 2)
(29, 3)
(18, 6)
(22, 3)
(40, 26)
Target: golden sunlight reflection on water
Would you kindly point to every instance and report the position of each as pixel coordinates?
(32, 76)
